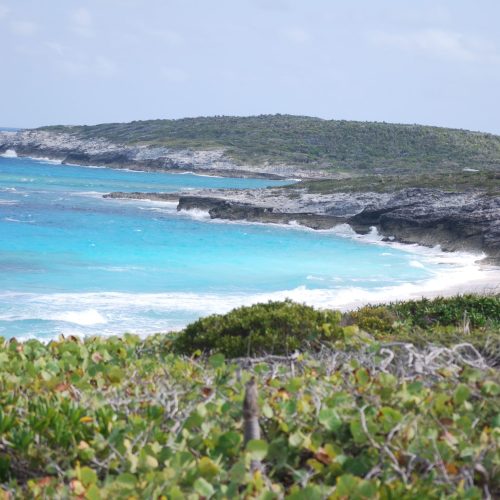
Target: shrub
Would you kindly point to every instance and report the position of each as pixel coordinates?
(478, 309)
(374, 319)
(272, 328)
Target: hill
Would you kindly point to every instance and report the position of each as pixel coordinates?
(302, 140)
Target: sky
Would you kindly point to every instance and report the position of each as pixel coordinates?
(405, 61)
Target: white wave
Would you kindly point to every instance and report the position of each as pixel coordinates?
(154, 205)
(434, 255)
(417, 264)
(9, 153)
(196, 213)
(315, 278)
(7, 202)
(199, 175)
(45, 159)
(86, 317)
(146, 313)
(11, 219)
(89, 194)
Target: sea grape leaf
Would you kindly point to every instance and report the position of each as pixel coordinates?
(203, 487)
(330, 419)
(257, 448)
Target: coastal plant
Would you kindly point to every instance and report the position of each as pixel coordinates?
(273, 328)
(129, 418)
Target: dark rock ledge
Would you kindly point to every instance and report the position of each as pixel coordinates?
(456, 221)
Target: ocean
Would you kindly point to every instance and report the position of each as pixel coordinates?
(72, 262)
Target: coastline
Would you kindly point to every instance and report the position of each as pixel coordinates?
(306, 212)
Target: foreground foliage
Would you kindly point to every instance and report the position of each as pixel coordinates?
(128, 418)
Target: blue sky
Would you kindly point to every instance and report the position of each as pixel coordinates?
(406, 61)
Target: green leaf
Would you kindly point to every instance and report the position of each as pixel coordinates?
(490, 388)
(126, 480)
(462, 394)
(390, 418)
(217, 360)
(87, 476)
(310, 492)
(257, 449)
(93, 493)
(208, 469)
(330, 419)
(346, 485)
(115, 374)
(203, 487)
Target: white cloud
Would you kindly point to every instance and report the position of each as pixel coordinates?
(441, 44)
(23, 28)
(174, 75)
(296, 35)
(82, 22)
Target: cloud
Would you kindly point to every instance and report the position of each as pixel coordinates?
(174, 75)
(296, 35)
(82, 22)
(438, 43)
(23, 28)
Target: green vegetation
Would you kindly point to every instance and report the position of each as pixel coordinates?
(312, 142)
(487, 181)
(272, 328)
(131, 418)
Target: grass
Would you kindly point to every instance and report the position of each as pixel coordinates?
(488, 182)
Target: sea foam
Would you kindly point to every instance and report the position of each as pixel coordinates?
(10, 153)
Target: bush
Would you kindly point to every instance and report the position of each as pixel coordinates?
(272, 328)
(372, 319)
(480, 310)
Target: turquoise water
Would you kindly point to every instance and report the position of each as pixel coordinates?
(73, 262)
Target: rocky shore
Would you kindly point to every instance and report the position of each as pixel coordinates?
(72, 149)
(457, 220)
(468, 221)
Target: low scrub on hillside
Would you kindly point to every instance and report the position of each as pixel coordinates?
(303, 140)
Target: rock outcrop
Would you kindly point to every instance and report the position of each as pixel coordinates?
(73, 149)
(456, 221)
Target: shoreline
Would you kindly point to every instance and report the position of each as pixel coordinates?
(357, 210)
(462, 273)
(138, 166)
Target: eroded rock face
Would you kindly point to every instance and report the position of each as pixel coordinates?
(464, 220)
(456, 221)
(70, 148)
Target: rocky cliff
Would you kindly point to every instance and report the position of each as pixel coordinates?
(456, 221)
(73, 149)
